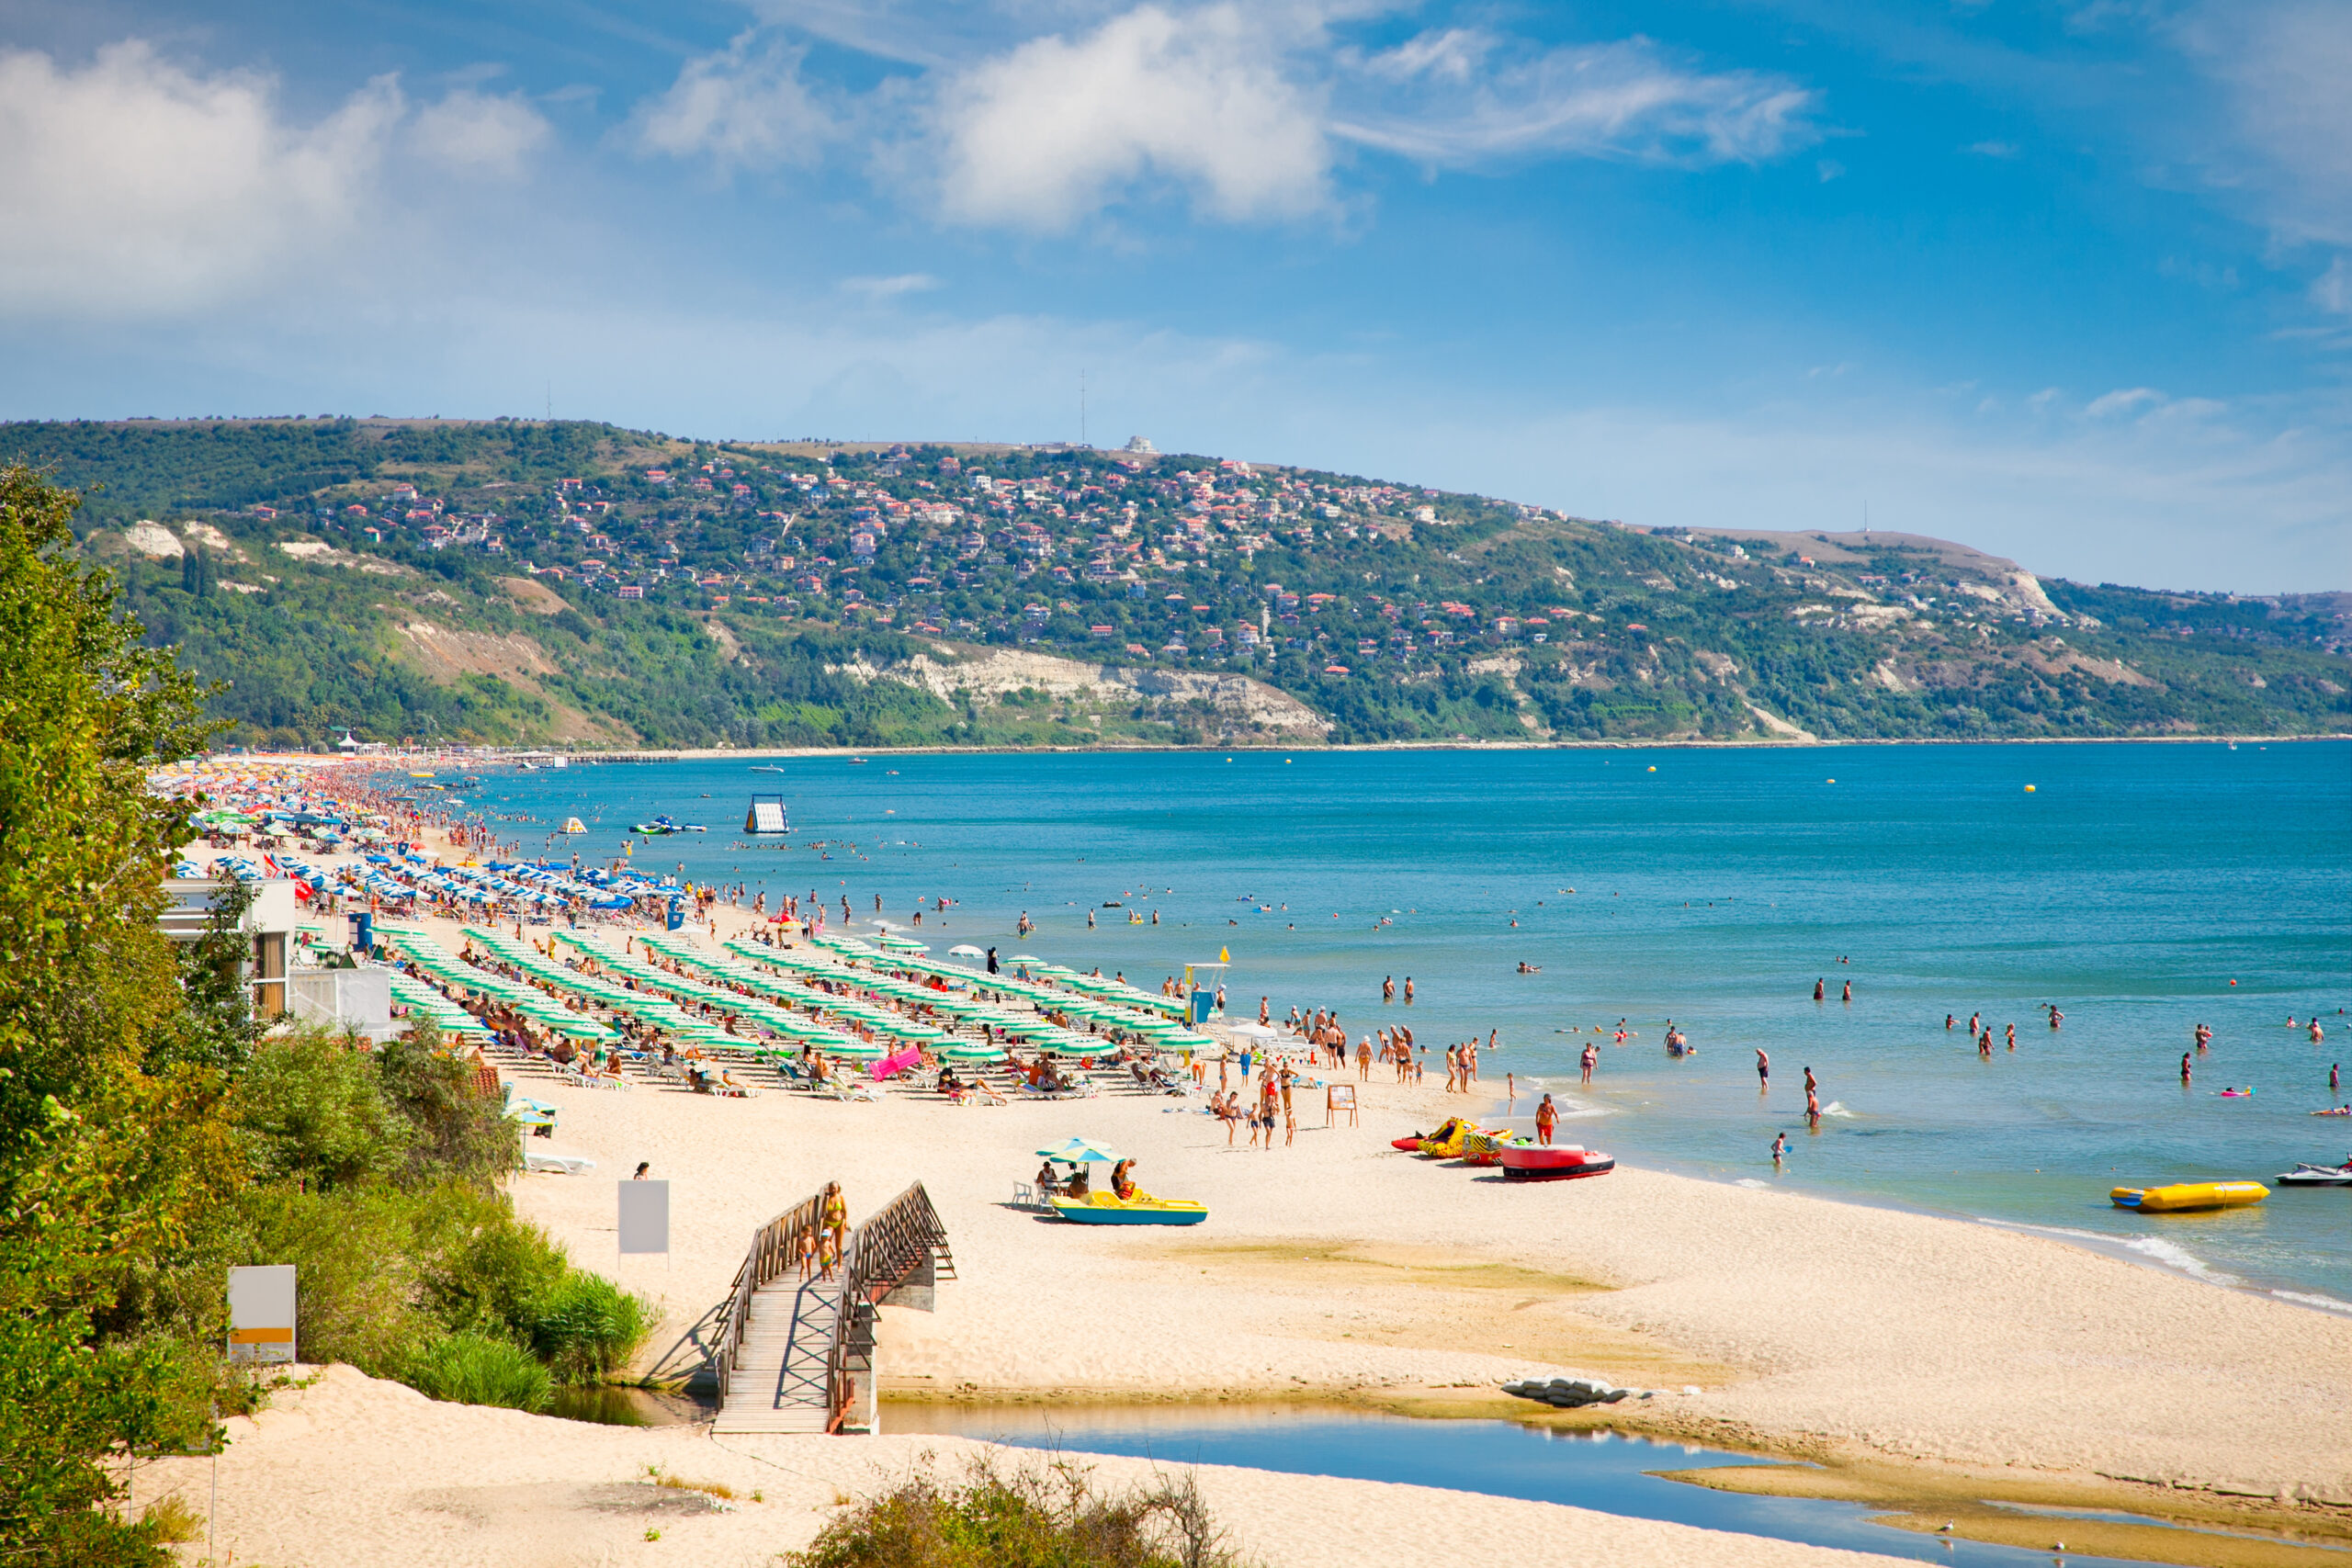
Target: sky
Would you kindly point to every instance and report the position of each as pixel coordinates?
(2069, 280)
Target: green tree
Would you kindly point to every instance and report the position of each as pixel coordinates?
(98, 1159)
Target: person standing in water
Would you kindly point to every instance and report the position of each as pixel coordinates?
(1388, 988)
(1975, 1021)
(1591, 1054)
(1779, 1148)
(1763, 1070)
(2184, 1069)
(1810, 1085)
(2203, 1035)
(1820, 990)
(1409, 991)
(1848, 995)
(2013, 1036)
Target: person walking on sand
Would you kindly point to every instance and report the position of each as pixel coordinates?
(1591, 1054)
(1363, 1060)
(1547, 1116)
(1763, 1070)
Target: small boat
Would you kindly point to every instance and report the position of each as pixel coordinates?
(1143, 1208)
(857, 761)
(2317, 1176)
(1554, 1163)
(2184, 1196)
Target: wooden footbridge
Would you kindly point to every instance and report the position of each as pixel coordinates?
(796, 1353)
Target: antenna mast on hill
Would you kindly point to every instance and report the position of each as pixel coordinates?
(1081, 407)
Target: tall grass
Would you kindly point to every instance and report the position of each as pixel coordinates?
(474, 1368)
(585, 1327)
(1021, 1517)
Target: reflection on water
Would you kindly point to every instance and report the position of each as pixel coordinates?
(1604, 1470)
(612, 1407)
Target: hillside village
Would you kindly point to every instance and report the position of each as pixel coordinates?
(1162, 591)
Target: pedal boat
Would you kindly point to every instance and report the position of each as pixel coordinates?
(1143, 1208)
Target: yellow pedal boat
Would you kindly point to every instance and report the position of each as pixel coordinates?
(1143, 1208)
(2183, 1196)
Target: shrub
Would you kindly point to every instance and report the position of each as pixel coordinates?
(474, 1368)
(481, 1268)
(353, 1252)
(1025, 1517)
(586, 1329)
(314, 1113)
(459, 1133)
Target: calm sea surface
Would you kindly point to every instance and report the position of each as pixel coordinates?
(2142, 888)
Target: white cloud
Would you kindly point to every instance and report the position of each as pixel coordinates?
(2285, 66)
(745, 107)
(2332, 290)
(1623, 99)
(880, 288)
(1057, 125)
(483, 133)
(134, 186)
(2124, 400)
(1991, 149)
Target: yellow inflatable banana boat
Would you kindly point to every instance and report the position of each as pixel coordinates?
(2186, 1195)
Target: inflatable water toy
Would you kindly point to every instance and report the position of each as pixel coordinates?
(1554, 1163)
(1488, 1148)
(1447, 1141)
(2182, 1196)
(2317, 1176)
(2335, 1111)
(1143, 1208)
(2238, 1094)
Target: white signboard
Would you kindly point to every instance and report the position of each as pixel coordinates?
(645, 1216)
(261, 1314)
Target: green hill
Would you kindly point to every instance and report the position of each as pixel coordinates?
(520, 580)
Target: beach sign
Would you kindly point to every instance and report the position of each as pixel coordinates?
(261, 1314)
(644, 1217)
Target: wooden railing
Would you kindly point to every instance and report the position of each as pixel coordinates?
(775, 1247)
(893, 1245)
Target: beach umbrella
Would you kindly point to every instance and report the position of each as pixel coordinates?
(966, 950)
(1080, 1151)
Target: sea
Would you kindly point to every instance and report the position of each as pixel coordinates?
(2140, 889)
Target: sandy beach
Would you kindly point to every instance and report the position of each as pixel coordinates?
(1335, 1270)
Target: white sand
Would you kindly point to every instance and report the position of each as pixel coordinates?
(357, 1472)
(1902, 1335)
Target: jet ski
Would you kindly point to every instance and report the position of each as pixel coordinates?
(2317, 1176)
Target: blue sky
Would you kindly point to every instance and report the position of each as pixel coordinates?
(2069, 281)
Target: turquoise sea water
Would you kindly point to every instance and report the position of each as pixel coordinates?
(2130, 887)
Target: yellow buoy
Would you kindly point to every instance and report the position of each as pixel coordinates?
(1653, 769)
(2029, 789)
